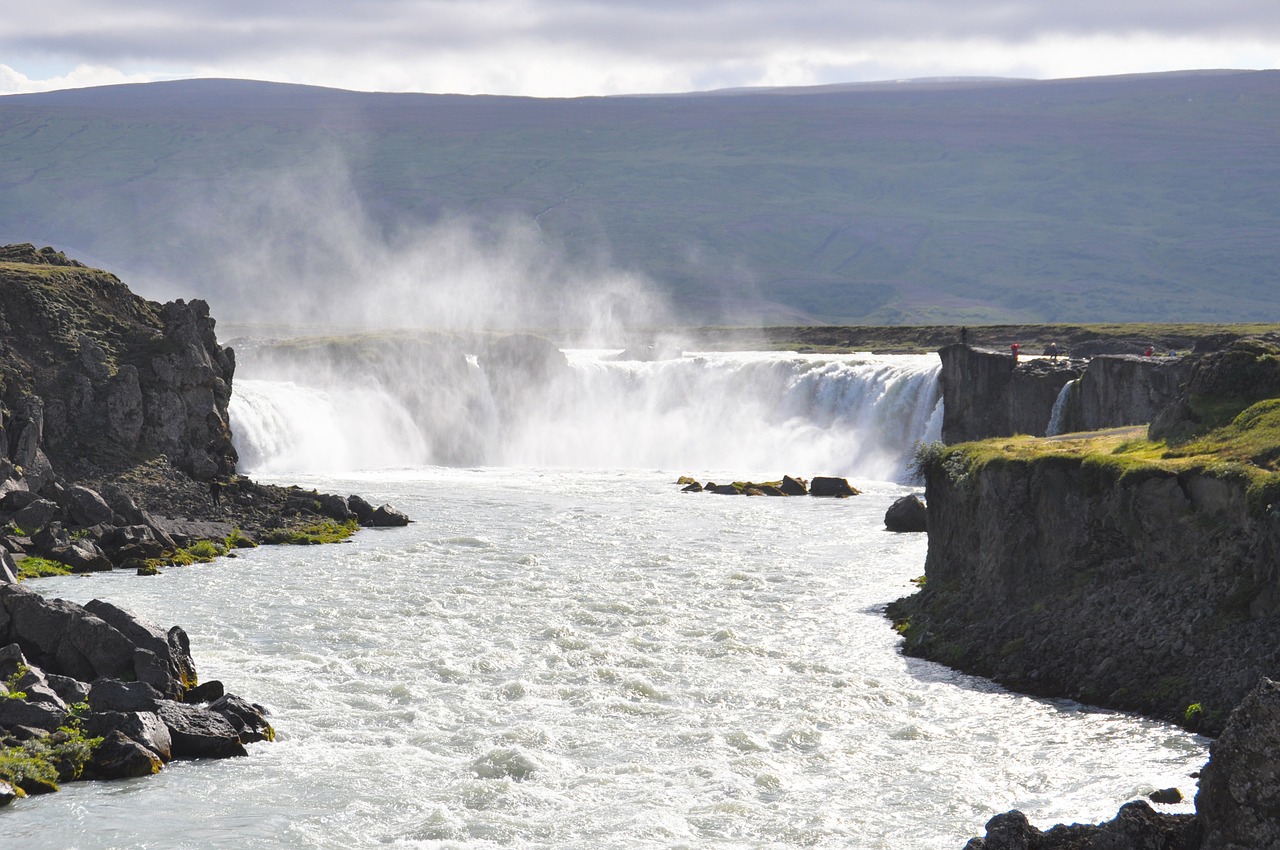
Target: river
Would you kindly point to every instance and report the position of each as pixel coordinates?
(582, 656)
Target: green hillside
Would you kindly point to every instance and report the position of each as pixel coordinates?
(1148, 198)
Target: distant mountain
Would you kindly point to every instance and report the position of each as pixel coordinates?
(1149, 197)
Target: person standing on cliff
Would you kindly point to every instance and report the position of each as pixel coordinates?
(215, 492)
(964, 335)
(1013, 349)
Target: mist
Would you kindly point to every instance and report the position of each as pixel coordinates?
(300, 247)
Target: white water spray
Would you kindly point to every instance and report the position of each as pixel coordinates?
(1058, 412)
(753, 414)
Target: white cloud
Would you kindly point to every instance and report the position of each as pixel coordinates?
(590, 47)
(81, 76)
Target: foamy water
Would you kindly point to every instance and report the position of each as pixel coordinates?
(561, 658)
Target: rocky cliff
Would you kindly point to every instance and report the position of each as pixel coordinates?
(986, 394)
(1071, 574)
(96, 378)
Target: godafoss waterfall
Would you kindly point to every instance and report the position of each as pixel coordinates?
(564, 650)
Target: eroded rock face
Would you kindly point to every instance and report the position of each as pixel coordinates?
(1150, 593)
(1136, 827)
(985, 394)
(1239, 798)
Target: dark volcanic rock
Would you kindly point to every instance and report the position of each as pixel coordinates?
(986, 394)
(385, 516)
(198, 732)
(831, 487)
(1239, 797)
(907, 513)
(121, 757)
(794, 486)
(1136, 827)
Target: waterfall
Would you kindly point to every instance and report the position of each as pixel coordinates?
(1058, 412)
(746, 413)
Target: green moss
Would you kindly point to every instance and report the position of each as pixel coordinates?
(238, 540)
(327, 531)
(38, 765)
(33, 567)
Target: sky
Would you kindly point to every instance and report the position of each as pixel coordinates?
(570, 48)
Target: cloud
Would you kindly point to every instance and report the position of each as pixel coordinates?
(562, 47)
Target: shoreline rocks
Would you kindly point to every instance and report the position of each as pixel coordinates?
(75, 674)
(825, 487)
(1237, 806)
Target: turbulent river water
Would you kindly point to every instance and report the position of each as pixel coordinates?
(561, 656)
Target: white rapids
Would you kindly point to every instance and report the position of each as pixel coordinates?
(561, 657)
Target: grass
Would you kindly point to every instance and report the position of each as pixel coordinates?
(1247, 449)
(38, 765)
(327, 531)
(35, 567)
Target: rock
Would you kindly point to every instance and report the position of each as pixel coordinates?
(144, 727)
(64, 638)
(249, 720)
(831, 487)
(1239, 797)
(386, 516)
(114, 695)
(198, 732)
(8, 568)
(794, 486)
(771, 490)
(204, 693)
(36, 515)
(723, 489)
(167, 664)
(70, 690)
(1165, 796)
(694, 487)
(907, 514)
(334, 507)
(120, 757)
(37, 715)
(1136, 827)
(7, 793)
(15, 500)
(86, 507)
(83, 556)
(362, 510)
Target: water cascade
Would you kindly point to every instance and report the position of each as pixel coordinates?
(755, 413)
(1058, 413)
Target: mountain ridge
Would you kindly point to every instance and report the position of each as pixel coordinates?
(1147, 197)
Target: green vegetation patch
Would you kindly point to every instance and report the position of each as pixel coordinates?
(1247, 450)
(327, 531)
(38, 765)
(34, 567)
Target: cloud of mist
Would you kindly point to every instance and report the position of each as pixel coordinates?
(300, 247)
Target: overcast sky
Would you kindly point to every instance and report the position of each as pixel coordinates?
(586, 47)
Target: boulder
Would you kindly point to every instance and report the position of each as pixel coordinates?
(334, 507)
(249, 720)
(83, 556)
(7, 794)
(36, 515)
(64, 638)
(115, 695)
(1239, 797)
(163, 658)
(37, 715)
(386, 516)
(198, 732)
(8, 568)
(205, 692)
(361, 509)
(86, 507)
(907, 514)
(794, 486)
(694, 487)
(15, 500)
(121, 757)
(144, 727)
(832, 487)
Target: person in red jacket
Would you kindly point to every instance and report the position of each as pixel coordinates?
(1014, 349)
